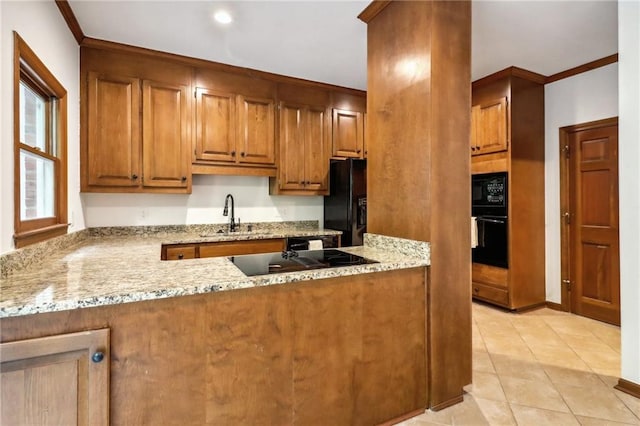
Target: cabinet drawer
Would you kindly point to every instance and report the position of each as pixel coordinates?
(490, 275)
(490, 294)
(180, 252)
(236, 248)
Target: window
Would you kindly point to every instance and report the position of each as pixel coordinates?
(40, 133)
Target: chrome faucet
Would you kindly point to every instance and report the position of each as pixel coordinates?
(225, 212)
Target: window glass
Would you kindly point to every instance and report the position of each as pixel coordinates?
(33, 121)
(36, 186)
(40, 140)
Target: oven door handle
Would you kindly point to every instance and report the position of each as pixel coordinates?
(484, 219)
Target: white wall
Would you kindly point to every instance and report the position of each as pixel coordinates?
(42, 27)
(204, 205)
(585, 97)
(629, 163)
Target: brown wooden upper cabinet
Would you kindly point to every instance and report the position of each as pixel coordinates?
(137, 136)
(348, 134)
(489, 127)
(234, 130)
(303, 141)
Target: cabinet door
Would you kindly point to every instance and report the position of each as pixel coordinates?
(492, 126)
(179, 252)
(474, 141)
(113, 144)
(365, 148)
(57, 380)
(256, 139)
(292, 154)
(215, 126)
(348, 134)
(316, 152)
(164, 135)
(237, 248)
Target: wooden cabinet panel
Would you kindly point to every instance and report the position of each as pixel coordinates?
(316, 148)
(165, 136)
(137, 136)
(489, 127)
(53, 380)
(113, 152)
(257, 130)
(235, 134)
(180, 252)
(491, 294)
(249, 355)
(304, 159)
(216, 126)
(221, 248)
(490, 274)
(325, 359)
(291, 172)
(236, 248)
(348, 134)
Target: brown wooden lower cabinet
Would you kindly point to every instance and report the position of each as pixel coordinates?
(221, 248)
(490, 283)
(61, 379)
(338, 351)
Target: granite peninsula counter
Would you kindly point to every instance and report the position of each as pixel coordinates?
(123, 265)
(196, 341)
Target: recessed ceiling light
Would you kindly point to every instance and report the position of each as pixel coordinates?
(223, 17)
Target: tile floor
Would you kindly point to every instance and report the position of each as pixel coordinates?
(540, 368)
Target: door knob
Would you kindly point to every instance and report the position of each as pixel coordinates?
(97, 357)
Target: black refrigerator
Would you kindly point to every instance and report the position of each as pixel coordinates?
(345, 208)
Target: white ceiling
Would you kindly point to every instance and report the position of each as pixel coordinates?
(324, 41)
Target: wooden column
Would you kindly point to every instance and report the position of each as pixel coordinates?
(418, 130)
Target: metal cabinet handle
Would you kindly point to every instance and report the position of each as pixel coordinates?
(97, 357)
(484, 219)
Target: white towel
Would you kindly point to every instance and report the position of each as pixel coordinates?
(315, 245)
(474, 232)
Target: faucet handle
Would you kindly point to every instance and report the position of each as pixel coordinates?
(238, 224)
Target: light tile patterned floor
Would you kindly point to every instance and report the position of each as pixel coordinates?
(540, 368)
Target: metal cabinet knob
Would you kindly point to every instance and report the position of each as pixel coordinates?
(97, 357)
(233, 153)
(242, 154)
(181, 256)
(184, 178)
(134, 177)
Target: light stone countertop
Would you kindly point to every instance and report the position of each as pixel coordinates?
(113, 269)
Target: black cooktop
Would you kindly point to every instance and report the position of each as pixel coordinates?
(291, 261)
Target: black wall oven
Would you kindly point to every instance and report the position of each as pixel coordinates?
(490, 205)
